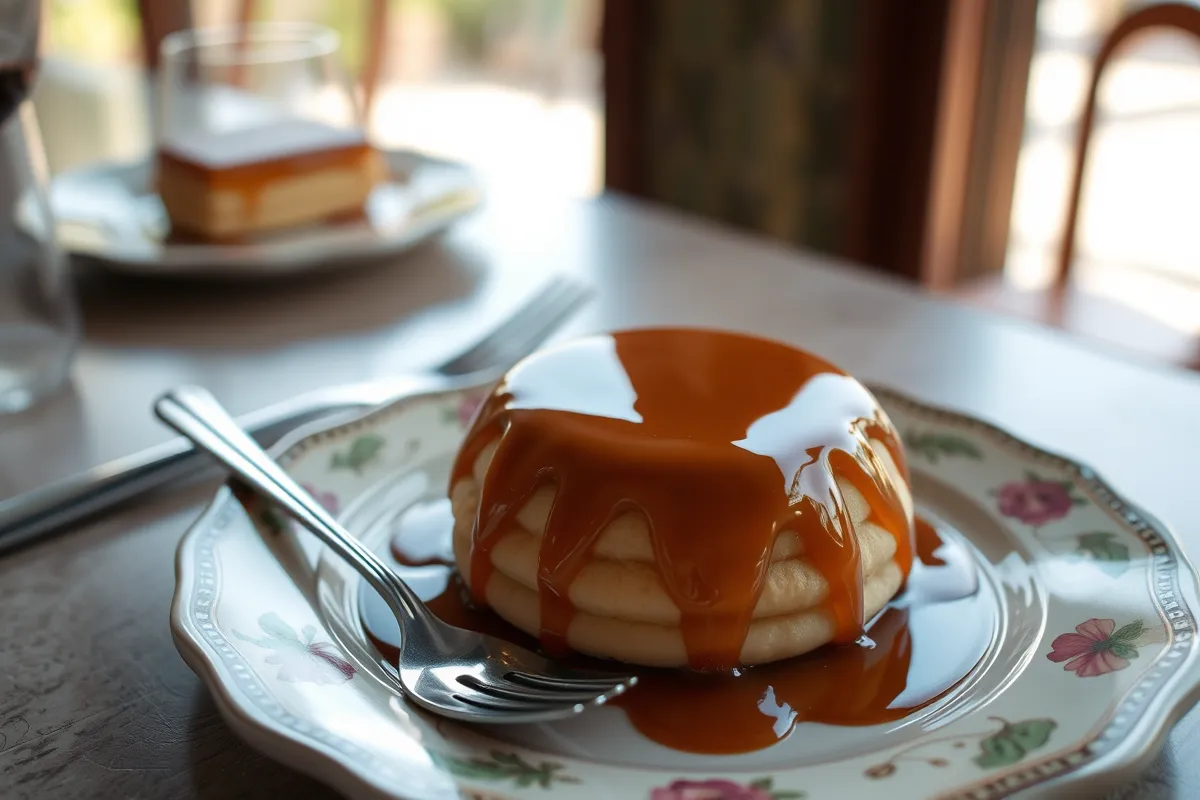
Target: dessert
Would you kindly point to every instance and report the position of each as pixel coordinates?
(222, 185)
(914, 654)
(682, 498)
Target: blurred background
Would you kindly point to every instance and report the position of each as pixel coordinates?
(531, 68)
(934, 140)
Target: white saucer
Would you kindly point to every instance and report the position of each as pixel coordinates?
(108, 213)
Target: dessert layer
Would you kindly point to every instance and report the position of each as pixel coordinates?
(767, 638)
(622, 580)
(262, 199)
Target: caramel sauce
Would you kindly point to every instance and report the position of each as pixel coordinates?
(927, 541)
(919, 648)
(722, 441)
(240, 177)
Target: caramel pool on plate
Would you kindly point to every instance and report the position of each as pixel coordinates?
(919, 650)
(682, 498)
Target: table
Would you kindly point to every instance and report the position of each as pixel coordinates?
(94, 700)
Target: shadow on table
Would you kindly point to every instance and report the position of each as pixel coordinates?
(223, 767)
(263, 312)
(1160, 781)
(42, 443)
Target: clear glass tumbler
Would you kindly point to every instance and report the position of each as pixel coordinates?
(221, 81)
(39, 320)
(258, 131)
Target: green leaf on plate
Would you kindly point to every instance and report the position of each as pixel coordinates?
(933, 446)
(506, 758)
(274, 626)
(502, 766)
(477, 768)
(266, 644)
(362, 451)
(1013, 742)
(1129, 633)
(1106, 552)
(1123, 650)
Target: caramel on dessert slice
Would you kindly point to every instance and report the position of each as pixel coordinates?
(682, 498)
(274, 175)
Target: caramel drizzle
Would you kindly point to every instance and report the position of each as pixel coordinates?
(751, 709)
(240, 174)
(721, 441)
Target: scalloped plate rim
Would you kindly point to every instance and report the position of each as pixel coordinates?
(1135, 753)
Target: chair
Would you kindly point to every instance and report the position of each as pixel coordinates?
(1064, 306)
(1171, 16)
(1168, 16)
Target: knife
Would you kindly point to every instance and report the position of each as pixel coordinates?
(40, 512)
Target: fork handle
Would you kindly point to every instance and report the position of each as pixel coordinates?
(196, 414)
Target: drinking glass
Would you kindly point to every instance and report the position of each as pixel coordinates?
(219, 81)
(39, 323)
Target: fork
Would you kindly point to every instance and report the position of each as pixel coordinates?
(37, 513)
(450, 671)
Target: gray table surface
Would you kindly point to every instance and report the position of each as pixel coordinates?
(94, 700)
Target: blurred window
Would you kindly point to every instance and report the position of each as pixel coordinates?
(510, 86)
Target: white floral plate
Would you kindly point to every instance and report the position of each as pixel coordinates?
(1092, 660)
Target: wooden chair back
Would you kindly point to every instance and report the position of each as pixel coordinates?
(1165, 16)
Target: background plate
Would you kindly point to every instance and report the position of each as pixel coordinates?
(108, 213)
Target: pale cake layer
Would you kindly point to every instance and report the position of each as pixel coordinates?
(623, 610)
(627, 538)
(633, 590)
(219, 211)
(768, 639)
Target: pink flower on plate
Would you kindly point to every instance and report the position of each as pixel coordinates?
(1096, 648)
(328, 500)
(718, 789)
(1036, 501)
(300, 659)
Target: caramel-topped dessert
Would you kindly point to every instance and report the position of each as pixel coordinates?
(682, 498)
(274, 175)
(913, 654)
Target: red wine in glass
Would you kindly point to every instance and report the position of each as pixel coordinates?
(15, 79)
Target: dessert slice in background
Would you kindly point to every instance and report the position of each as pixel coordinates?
(280, 174)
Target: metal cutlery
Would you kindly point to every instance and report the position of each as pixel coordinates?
(40, 512)
(450, 671)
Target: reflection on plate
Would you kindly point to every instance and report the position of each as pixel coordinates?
(108, 212)
(1090, 656)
